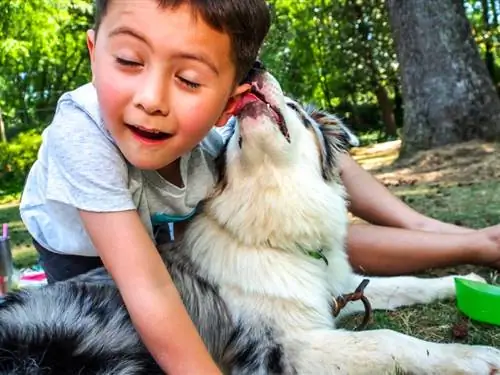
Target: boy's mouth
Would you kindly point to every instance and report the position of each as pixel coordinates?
(148, 134)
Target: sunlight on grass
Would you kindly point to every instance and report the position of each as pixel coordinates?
(370, 162)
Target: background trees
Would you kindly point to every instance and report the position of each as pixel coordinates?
(433, 83)
(447, 88)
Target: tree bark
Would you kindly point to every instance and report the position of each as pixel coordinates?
(3, 134)
(447, 92)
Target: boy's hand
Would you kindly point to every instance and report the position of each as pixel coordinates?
(148, 291)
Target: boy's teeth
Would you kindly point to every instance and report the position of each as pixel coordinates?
(149, 130)
(149, 133)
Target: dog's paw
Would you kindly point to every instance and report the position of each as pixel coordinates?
(476, 360)
(473, 277)
(447, 284)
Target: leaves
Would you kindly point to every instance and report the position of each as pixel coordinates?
(42, 54)
(337, 54)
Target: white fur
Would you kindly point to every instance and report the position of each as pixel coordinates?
(265, 276)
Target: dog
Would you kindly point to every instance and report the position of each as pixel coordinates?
(258, 269)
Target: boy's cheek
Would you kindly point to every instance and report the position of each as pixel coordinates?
(113, 92)
(108, 96)
(201, 117)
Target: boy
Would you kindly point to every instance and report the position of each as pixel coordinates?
(135, 148)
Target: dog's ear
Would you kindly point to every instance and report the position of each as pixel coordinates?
(337, 138)
(332, 126)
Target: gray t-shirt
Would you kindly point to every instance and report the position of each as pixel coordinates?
(79, 166)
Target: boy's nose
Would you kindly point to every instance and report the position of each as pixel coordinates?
(152, 97)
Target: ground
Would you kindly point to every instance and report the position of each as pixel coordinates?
(458, 184)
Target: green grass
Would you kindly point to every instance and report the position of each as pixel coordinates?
(23, 252)
(438, 322)
(474, 205)
(471, 204)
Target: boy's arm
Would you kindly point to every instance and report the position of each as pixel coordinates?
(86, 171)
(147, 289)
(372, 201)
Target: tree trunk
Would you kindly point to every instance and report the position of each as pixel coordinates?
(3, 135)
(387, 110)
(447, 92)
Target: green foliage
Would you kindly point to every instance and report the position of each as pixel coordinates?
(16, 158)
(373, 137)
(333, 54)
(42, 54)
(336, 54)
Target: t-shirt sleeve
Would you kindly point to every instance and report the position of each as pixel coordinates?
(213, 143)
(85, 169)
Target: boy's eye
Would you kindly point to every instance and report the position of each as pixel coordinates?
(126, 62)
(188, 83)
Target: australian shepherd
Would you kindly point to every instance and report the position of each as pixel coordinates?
(260, 269)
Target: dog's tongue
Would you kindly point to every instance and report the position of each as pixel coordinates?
(242, 102)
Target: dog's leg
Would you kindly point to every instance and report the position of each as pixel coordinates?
(385, 352)
(388, 293)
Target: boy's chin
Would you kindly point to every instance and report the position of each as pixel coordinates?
(150, 161)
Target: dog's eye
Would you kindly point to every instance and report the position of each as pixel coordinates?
(293, 106)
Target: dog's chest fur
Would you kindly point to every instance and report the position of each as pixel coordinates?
(261, 267)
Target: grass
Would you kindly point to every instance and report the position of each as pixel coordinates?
(474, 205)
(467, 200)
(445, 190)
(23, 252)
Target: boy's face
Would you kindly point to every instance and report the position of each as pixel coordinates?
(163, 78)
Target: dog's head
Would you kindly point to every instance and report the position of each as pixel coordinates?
(274, 131)
(279, 180)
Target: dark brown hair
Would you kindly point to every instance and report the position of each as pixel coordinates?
(246, 22)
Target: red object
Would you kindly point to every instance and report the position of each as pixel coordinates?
(34, 276)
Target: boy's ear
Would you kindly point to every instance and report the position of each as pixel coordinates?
(231, 104)
(91, 48)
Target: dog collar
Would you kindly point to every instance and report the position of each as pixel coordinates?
(318, 254)
(159, 218)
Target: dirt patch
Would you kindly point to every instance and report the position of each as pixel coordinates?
(464, 163)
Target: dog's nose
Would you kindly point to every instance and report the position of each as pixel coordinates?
(258, 67)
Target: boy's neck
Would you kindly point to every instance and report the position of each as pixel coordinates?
(172, 173)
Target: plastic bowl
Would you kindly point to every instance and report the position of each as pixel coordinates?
(479, 301)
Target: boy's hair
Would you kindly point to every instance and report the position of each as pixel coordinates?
(247, 23)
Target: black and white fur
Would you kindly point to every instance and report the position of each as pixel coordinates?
(261, 303)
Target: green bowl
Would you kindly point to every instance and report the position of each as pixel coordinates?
(479, 301)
